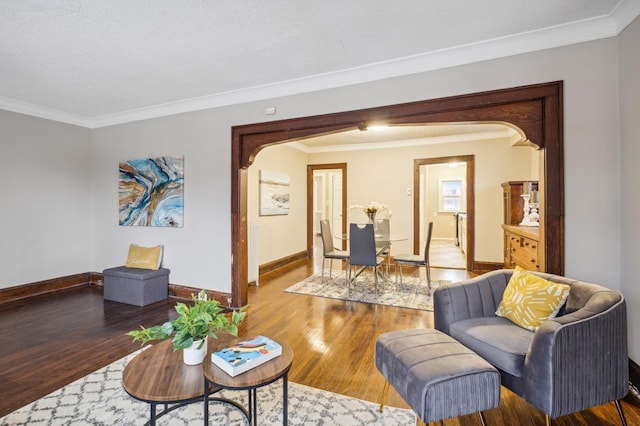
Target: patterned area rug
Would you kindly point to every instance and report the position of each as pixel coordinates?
(412, 293)
(99, 399)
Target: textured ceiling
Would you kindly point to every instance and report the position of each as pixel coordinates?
(99, 62)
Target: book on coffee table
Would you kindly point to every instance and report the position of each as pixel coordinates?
(246, 355)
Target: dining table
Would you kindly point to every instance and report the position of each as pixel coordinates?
(383, 242)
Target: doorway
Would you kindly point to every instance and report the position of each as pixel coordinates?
(326, 199)
(444, 194)
(536, 110)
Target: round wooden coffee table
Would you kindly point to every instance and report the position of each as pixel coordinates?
(265, 374)
(159, 376)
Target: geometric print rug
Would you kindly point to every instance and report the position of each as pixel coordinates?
(99, 399)
(412, 293)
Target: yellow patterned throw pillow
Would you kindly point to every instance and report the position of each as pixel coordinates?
(529, 300)
(144, 257)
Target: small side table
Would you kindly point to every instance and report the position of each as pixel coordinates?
(158, 376)
(265, 374)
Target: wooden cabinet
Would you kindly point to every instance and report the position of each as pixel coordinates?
(513, 203)
(522, 247)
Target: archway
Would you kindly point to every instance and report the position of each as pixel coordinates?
(535, 109)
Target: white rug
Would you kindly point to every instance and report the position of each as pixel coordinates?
(412, 293)
(99, 399)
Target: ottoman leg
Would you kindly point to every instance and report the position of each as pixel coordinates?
(482, 419)
(384, 394)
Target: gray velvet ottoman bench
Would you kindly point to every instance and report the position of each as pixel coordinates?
(436, 375)
(136, 286)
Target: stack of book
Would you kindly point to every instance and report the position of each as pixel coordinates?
(246, 355)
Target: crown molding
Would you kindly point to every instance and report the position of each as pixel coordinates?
(624, 14)
(20, 107)
(526, 42)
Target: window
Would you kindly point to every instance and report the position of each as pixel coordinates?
(450, 195)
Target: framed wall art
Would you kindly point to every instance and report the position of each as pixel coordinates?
(151, 192)
(274, 193)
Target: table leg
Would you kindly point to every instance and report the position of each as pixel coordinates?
(206, 402)
(254, 395)
(285, 399)
(152, 417)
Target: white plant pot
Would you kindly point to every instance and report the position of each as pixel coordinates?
(193, 355)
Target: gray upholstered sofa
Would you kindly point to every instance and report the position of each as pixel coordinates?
(572, 362)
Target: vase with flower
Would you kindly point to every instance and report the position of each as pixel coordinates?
(372, 210)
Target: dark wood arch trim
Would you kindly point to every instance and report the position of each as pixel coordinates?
(536, 109)
(470, 198)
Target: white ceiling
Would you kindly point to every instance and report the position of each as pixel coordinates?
(101, 62)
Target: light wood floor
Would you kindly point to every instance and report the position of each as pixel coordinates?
(333, 342)
(445, 254)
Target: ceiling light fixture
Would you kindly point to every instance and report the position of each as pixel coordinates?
(363, 127)
(378, 127)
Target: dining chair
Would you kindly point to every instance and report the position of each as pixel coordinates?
(383, 243)
(363, 251)
(329, 251)
(416, 259)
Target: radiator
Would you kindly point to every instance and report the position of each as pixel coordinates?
(253, 249)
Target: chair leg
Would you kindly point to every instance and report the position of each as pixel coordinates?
(398, 266)
(623, 421)
(548, 420)
(388, 263)
(330, 268)
(385, 390)
(482, 419)
(375, 275)
(322, 272)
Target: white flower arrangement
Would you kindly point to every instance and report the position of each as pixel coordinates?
(372, 209)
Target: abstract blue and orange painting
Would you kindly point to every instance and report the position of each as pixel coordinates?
(151, 192)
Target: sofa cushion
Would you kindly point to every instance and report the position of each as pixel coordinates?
(497, 340)
(529, 300)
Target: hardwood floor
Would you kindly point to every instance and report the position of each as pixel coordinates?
(446, 254)
(49, 341)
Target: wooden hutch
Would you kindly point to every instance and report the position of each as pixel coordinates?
(521, 243)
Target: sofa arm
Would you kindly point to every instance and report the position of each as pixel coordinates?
(473, 298)
(574, 353)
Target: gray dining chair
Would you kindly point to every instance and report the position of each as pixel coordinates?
(363, 251)
(416, 259)
(329, 251)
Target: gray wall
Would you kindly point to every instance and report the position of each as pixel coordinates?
(45, 212)
(630, 178)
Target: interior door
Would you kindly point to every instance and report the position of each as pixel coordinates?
(318, 201)
(336, 203)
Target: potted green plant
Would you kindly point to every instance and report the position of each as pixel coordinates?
(204, 318)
